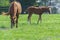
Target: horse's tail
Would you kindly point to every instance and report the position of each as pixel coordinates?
(5, 13)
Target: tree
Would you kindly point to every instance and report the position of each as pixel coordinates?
(26, 3)
(4, 2)
(44, 2)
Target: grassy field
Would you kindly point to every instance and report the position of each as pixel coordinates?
(49, 29)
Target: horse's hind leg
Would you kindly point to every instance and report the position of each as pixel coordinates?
(29, 18)
(40, 19)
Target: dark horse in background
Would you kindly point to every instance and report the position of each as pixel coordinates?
(37, 10)
(14, 10)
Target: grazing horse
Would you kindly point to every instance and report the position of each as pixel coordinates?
(37, 10)
(14, 10)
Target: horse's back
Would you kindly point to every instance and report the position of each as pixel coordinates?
(19, 7)
(15, 6)
(32, 8)
(45, 9)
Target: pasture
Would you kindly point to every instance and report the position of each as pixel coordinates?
(49, 29)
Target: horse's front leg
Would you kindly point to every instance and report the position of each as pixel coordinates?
(17, 21)
(12, 24)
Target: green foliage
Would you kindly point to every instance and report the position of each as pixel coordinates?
(49, 29)
(4, 2)
(44, 2)
(28, 2)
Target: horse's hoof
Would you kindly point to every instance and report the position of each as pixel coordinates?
(11, 27)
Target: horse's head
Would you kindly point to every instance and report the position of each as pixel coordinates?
(13, 20)
(46, 9)
(50, 10)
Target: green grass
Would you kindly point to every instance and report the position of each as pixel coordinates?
(49, 29)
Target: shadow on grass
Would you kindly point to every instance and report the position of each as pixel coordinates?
(3, 28)
(29, 23)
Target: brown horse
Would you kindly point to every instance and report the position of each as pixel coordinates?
(37, 10)
(14, 10)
